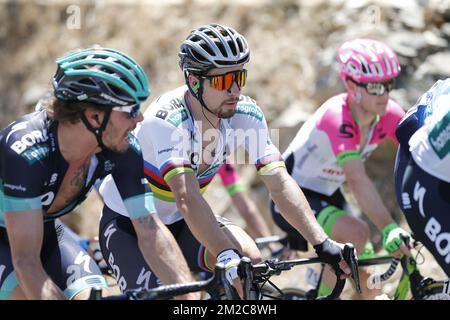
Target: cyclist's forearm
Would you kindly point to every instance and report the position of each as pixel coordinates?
(370, 201)
(203, 225)
(25, 246)
(161, 251)
(34, 281)
(295, 208)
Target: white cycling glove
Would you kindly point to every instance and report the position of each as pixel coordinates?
(230, 258)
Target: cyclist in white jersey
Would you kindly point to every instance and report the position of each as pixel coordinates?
(422, 170)
(331, 146)
(187, 135)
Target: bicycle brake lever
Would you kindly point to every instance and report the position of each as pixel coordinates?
(245, 274)
(350, 257)
(405, 240)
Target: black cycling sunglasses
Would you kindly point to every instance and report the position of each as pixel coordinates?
(376, 88)
(133, 110)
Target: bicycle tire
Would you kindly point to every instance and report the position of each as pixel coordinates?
(290, 294)
(437, 296)
(435, 291)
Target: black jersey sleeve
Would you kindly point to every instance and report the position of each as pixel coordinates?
(131, 183)
(23, 152)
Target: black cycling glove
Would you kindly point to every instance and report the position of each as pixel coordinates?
(330, 252)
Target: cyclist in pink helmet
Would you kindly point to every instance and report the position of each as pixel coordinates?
(366, 60)
(331, 146)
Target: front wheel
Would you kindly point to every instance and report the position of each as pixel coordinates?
(432, 290)
(292, 294)
(436, 290)
(295, 294)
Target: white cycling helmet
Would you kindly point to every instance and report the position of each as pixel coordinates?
(213, 46)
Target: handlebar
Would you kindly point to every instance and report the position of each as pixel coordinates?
(350, 257)
(255, 273)
(169, 291)
(249, 274)
(264, 241)
(392, 267)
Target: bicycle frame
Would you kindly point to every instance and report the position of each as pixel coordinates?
(253, 275)
(410, 281)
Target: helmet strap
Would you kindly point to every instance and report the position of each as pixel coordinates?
(357, 96)
(197, 90)
(200, 96)
(98, 132)
(196, 87)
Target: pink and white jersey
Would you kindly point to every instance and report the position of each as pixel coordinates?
(330, 138)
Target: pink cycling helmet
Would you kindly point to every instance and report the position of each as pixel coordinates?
(366, 60)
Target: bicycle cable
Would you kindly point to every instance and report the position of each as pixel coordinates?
(419, 253)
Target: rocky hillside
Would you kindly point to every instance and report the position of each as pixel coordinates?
(292, 71)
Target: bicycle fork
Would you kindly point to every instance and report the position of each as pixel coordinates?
(411, 279)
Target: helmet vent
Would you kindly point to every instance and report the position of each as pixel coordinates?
(364, 69)
(239, 43)
(87, 81)
(232, 47)
(213, 46)
(223, 51)
(75, 89)
(198, 57)
(117, 91)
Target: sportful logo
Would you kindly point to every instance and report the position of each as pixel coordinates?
(14, 187)
(53, 179)
(440, 137)
(108, 165)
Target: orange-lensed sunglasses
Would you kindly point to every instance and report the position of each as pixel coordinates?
(225, 81)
